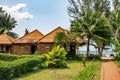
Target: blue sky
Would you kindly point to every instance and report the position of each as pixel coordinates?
(44, 15)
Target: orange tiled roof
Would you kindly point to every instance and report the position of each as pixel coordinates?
(31, 37)
(6, 39)
(50, 36)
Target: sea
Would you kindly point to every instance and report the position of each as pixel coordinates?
(105, 53)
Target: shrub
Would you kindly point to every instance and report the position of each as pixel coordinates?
(8, 57)
(56, 58)
(97, 57)
(116, 44)
(79, 58)
(9, 70)
(117, 57)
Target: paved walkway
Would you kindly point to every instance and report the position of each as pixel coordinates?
(109, 70)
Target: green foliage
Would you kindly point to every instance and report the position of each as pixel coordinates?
(7, 23)
(56, 58)
(97, 57)
(19, 65)
(94, 57)
(79, 58)
(117, 57)
(118, 63)
(88, 72)
(116, 44)
(8, 57)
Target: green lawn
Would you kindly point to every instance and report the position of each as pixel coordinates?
(74, 67)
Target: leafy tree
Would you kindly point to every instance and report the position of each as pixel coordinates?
(56, 58)
(7, 23)
(115, 19)
(69, 41)
(116, 44)
(60, 39)
(65, 38)
(87, 16)
(87, 28)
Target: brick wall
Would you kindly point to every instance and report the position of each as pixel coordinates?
(44, 47)
(21, 49)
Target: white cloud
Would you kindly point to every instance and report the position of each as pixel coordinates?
(19, 11)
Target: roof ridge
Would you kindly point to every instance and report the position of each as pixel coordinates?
(51, 32)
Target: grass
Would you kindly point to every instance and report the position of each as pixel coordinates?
(117, 63)
(74, 67)
(91, 72)
(98, 72)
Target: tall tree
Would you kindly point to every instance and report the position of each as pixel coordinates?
(7, 23)
(115, 19)
(86, 15)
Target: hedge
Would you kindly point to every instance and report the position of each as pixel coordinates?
(8, 57)
(12, 57)
(9, 70)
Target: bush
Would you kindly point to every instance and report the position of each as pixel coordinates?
(79, 58)
(117, 57)
(116, 44)
(8, 57)
(9, 70)
(95, 57)
(56, 58)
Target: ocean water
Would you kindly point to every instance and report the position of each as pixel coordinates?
(105, 53)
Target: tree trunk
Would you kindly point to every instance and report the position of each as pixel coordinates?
(88, 44)
(99, 51)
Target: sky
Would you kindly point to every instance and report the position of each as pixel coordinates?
(44, 15)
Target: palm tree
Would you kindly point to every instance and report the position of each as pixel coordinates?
(90, 27)
(86, 15)
(114, 19)
(7, 23)
(104, 30)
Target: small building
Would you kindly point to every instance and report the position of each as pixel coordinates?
(27, 43)
(6, 43)
(46, 43)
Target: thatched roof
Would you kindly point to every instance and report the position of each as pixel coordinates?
(51, 36)
(29, 38)
(6, 39)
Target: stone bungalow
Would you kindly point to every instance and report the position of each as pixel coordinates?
(27, 43)
(6, 43)
(46, 43)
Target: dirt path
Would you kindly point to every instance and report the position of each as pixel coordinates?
(109, 70)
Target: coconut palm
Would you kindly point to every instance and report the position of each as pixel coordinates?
(114, 19)
(90, 27)
(7, 23)
(86, 16)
